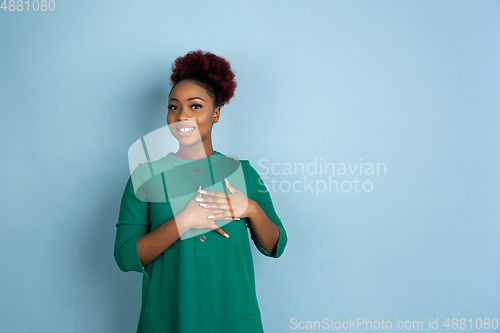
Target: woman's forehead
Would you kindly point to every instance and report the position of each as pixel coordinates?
(187, 89)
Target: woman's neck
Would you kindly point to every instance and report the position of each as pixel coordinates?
(194, 152)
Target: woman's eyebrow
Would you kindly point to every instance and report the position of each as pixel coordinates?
(189, 99)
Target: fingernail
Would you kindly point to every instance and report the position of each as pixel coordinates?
(203, 205)
(226, 235)
(211, 217)
(237, 218)
(199, 199)
(226, 180)
(204, 192)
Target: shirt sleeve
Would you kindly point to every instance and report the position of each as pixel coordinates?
(133, 222)
(258, 192)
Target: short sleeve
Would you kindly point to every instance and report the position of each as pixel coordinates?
(133, 222)
(258, 192)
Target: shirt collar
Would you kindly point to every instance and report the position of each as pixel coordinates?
(170, 158)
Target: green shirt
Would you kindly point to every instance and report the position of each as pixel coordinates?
(203, 282)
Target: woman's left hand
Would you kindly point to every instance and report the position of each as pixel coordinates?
(236, 202)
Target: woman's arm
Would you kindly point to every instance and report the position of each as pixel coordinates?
(269, 241)
(154, 243)
(266, 232)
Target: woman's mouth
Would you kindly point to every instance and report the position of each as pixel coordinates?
(185, 130)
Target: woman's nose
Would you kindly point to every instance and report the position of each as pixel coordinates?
(183, 115)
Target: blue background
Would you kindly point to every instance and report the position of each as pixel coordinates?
(412, 84)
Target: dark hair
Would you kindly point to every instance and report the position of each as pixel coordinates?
(211, 71)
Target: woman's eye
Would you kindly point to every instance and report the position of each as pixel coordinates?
(172, 107)
(196, 106)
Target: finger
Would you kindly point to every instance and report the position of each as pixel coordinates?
(221, 232)
(223, 215)
(214, 194)
(216, 202)
(228, 202)
(229, 187)
(215, 206)
(198, 193)
(212, 199)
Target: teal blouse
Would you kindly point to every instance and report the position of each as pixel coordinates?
(203, 282)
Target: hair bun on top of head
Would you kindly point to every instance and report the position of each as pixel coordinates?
(199, 64)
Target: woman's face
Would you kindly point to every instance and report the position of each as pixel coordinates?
(191, 113)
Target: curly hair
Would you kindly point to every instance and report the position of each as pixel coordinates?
(211, 71)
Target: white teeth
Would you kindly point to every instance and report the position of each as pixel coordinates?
(186, 129)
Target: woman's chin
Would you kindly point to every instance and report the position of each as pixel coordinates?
(189, 141)
(189, 138)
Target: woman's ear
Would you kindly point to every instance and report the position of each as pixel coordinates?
(216, 114)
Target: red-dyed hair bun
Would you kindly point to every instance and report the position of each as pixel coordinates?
(208, 68)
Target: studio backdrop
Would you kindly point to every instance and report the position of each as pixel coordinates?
(374, 125)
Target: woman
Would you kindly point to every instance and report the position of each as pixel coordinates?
(183, 219)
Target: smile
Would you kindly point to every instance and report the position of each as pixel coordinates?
(185, 129)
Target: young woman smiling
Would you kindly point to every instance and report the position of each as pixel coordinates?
(194, 250)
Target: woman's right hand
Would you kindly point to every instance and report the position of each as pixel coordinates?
(196, 216)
